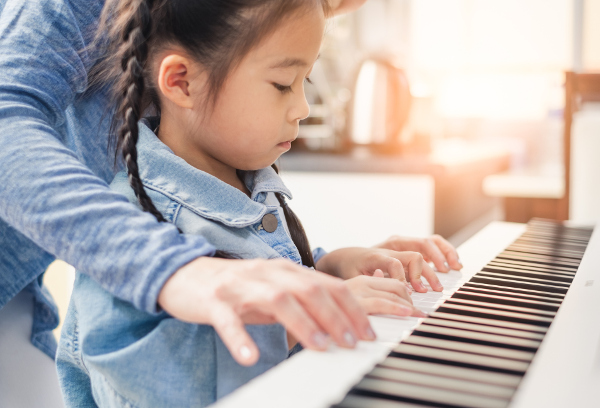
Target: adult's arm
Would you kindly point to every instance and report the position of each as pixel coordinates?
(46, 192)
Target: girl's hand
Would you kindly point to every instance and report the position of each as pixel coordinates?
(382, 296)
(229, 293)
(434, 249)
(347, 263)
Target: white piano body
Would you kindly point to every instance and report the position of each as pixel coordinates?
(564, 372)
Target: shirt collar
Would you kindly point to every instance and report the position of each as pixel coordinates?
(161, 170)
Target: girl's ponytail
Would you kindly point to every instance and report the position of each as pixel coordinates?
(134, 54)
(296, 229)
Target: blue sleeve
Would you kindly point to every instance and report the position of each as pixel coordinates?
(318, 254)
(46, 192)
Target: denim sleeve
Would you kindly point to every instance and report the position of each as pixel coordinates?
(318, 254)
(46, 192)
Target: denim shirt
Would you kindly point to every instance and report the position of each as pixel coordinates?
(55, 168)
(138, 359)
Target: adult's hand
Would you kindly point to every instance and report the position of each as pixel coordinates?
(410, 266)
(434, 249)
(229, 293)
(344, 6)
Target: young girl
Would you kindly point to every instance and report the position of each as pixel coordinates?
(226, 78)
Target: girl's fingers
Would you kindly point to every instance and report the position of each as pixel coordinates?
(449, 252)
(433, 253)
(431, 277)
(350, 306)
(231, 329)
(378, 305)
(390, 265)
(335, 311)
(392, 287)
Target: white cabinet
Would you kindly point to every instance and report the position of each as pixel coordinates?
(356, 209)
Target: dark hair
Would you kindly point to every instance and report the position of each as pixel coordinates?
(216, 33)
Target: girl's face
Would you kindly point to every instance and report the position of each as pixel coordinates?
(256, 115)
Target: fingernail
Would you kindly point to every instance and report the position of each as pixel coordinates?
(349, 339)
(418, 313)
(420, 287)
(446, 265)
(320, 340)
(371, 334)
(245, 352)
(460, 262)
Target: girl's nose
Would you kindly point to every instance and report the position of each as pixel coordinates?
(301, 109)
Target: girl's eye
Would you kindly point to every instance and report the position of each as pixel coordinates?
(282, 88)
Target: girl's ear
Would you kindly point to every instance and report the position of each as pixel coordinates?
(175, 80)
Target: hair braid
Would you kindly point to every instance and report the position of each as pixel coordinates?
(296, 229)
(135, 37)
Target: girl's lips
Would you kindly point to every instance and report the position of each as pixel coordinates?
(285, 145)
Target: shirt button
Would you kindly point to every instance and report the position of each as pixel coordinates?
(269, 222)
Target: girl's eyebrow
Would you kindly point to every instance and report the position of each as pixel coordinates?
(290, 62)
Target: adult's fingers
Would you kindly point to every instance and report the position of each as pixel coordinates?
(231, 329)
(449, 252)
(298, 322)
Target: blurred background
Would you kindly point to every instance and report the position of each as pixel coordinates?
(439, 116)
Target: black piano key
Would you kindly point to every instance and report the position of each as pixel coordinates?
(520, 284)
(415, 393)
(487, 321)
(462, 373)
(500, 306)
(471, 348)
(505, 300)
(567, 255)
(482, 328)
(480, 338)
(495, 314)
(522, 278)
(531, 239)
(440, 382)
(534, 275)
(361, 401)
(535, 265)
(460, 359)
(510, 293)
(545, 269)
(557, 297)
(541, 259)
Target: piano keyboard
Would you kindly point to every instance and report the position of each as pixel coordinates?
(480, 337)
(475, 348)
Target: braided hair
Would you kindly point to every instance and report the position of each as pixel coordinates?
(133, 54)
(296, 229)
